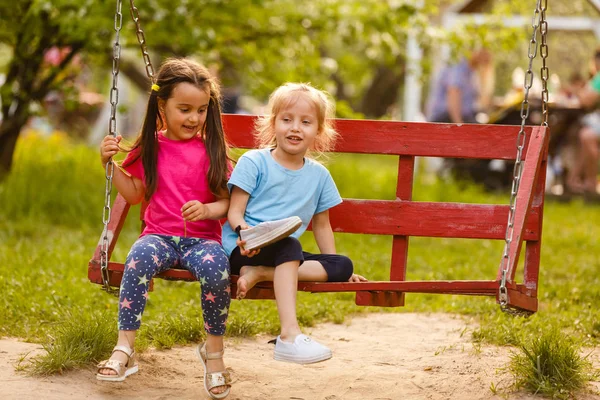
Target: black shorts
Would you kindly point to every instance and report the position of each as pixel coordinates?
(338, 268)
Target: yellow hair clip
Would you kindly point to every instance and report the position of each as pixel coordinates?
(155, 87)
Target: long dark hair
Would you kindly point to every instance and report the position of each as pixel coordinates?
(173, 72)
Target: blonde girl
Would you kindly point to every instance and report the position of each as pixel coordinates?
(276, 182)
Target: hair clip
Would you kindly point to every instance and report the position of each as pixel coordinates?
(155, 87)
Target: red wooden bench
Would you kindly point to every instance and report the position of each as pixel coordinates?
(403, 218)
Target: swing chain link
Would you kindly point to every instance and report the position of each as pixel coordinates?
(110, 167)
(544, 72)
(540, 23)
(135, 15)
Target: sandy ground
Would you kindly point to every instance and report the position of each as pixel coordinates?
(376, 356)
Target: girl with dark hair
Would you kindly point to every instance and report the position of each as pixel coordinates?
(179, 166)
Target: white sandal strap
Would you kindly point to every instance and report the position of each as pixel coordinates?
(214, 356)
(124, 349)
(211, 356)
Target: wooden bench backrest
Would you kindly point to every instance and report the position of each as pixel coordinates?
(407, 140)
(403, 217)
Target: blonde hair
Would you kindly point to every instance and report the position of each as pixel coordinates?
(288, 94)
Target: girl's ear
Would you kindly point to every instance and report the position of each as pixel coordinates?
(161, 106)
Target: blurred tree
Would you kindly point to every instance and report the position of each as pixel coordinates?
(342, 45)
(338, 44)
(31, 28)
(353, 48)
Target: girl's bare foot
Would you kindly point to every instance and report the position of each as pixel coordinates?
(250, 276)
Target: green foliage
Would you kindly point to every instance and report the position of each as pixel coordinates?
(262, 44)
(551, 365)
(73, 21)
(54, 164)
(258, 45)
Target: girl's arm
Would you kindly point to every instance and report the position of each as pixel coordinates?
(323, 232)
(194, 210)
(237, 208)
(235, 217)
(132, 189)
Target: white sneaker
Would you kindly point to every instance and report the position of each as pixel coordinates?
(303, 350)
(269, 232)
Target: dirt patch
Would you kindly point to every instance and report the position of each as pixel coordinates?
(376, 356)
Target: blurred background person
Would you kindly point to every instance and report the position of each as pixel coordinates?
(455, 94)
(583, 177)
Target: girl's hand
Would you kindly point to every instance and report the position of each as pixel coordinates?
(109, 147)
(240, 243)
(194, 211)
(357, 278)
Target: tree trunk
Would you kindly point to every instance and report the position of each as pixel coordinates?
(382, 93)
(24, 76)
(135, 74)
(9, 133)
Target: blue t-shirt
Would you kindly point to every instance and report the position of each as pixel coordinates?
(277, 192)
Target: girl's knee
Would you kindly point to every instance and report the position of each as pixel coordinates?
(346, 268)
(290, 244)
(341, 270)
(218, 285)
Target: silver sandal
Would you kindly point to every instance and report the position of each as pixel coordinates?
(213, 379)
(122, 370)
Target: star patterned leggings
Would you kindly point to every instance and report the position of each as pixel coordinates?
(152, 254)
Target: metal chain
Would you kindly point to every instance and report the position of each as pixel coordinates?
(538, 22)
(110, 167)
(141, 40)
(114, 101)
(544, 72)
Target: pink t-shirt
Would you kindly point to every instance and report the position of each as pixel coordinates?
(182, 176)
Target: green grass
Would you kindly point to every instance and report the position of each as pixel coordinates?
(75, 342)
(51, 220)
(551, 365)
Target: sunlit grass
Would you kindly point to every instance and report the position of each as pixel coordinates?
(75, 342)
(551, 365)
(51, 219)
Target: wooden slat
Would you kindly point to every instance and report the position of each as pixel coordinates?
(118, 214)
(458, 286)
(531, 168)
(482, 287)
(520, 300)
(453, 220)
(400, 243)
(403, 138)
(476, 287)
(533, 248)
(373, 293)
